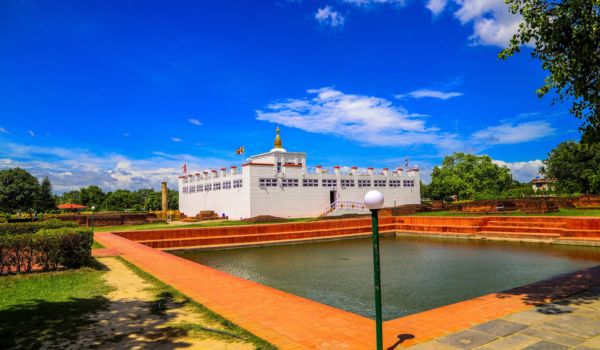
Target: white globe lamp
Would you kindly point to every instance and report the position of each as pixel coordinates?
(373, 200)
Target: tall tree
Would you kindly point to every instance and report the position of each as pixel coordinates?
(18, 190)
(91, 196)
(566, 37)
(467, 175)
(44, 200)
(576, 166)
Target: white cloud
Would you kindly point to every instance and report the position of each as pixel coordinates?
(31, 133)
(176, 139)
(375, 2)
(508, 133)
(3, 131)
(493, 24)
(436, 6)
(195, 121)
(366, 119)
(431, 94)
(522, 171)
(328, 16)
(70, 169)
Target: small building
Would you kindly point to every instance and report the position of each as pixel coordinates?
(542, 184)
(279, 183)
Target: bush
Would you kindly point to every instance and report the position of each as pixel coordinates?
(47, 249)
(33, 227)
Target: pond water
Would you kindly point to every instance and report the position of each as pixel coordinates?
(418, 274)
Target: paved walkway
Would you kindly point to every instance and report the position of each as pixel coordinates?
(292, 322)
(572, 323)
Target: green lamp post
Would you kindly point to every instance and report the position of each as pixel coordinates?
(374, 201)
(93, 208)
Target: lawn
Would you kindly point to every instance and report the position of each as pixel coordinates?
(158, 226)
(165, 293)
(561, 212)
(49, 307)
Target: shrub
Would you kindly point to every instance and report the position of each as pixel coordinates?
(47, 249)
(33, 227)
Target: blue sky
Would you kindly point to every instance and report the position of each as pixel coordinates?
(121, 94)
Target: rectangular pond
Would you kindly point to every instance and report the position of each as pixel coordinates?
(418, 274)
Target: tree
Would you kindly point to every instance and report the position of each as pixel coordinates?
(576, 166)
(467, 175)
(73, 197)
(566, 38)
(118, 200)
(18, 190)
(91, 196)
(44, 200)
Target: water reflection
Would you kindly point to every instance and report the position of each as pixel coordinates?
(418, 273)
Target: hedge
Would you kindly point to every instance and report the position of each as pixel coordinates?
(33, 227)
(47, 249)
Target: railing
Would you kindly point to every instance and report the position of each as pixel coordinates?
(344, 205)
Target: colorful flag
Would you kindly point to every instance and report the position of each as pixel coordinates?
(240, 150)
(184, 168)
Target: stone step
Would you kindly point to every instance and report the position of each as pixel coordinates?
(520, 229)
(520, 235)
(551, 224)
(436, 228)
(581, 233)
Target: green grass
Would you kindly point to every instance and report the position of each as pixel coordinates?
(49, 306)
(158, 226)
(97, 245)
(227, 331)
(561, 212)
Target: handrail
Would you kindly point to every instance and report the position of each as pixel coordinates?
(344, 205)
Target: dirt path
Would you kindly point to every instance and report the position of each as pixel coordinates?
(136, 318)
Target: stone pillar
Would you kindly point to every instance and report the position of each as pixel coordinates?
(164, 200)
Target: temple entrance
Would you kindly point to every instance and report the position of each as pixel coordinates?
(332, 196)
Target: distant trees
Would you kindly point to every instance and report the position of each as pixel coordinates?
(467, 176)
(21, 191)
(119, 200)
(576, 166)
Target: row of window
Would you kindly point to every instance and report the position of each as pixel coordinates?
(272, 182)
(226, 185)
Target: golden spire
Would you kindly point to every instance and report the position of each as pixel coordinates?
(277, 143)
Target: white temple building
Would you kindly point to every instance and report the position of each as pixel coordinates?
(279, 183)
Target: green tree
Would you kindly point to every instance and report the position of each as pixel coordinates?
(18, 190)
(44, 200)
(566, 38)
(91, 196)
(576, 166)
(73, 197)
(468, 175)
(118, 200)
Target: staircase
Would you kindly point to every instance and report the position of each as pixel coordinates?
(216, 237)
(542, 230)
(344, 207)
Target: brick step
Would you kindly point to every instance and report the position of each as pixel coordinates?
(519, 235)
(581, 233)
(437, 228)
(232, 231)
(591, 239)
(528, 224)
(280, 241)
(528, 218)
(517, 229)
(209, 241)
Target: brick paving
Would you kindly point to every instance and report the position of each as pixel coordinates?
(292, 322)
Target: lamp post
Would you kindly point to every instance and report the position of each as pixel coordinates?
(374, 201)
(93, 208)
